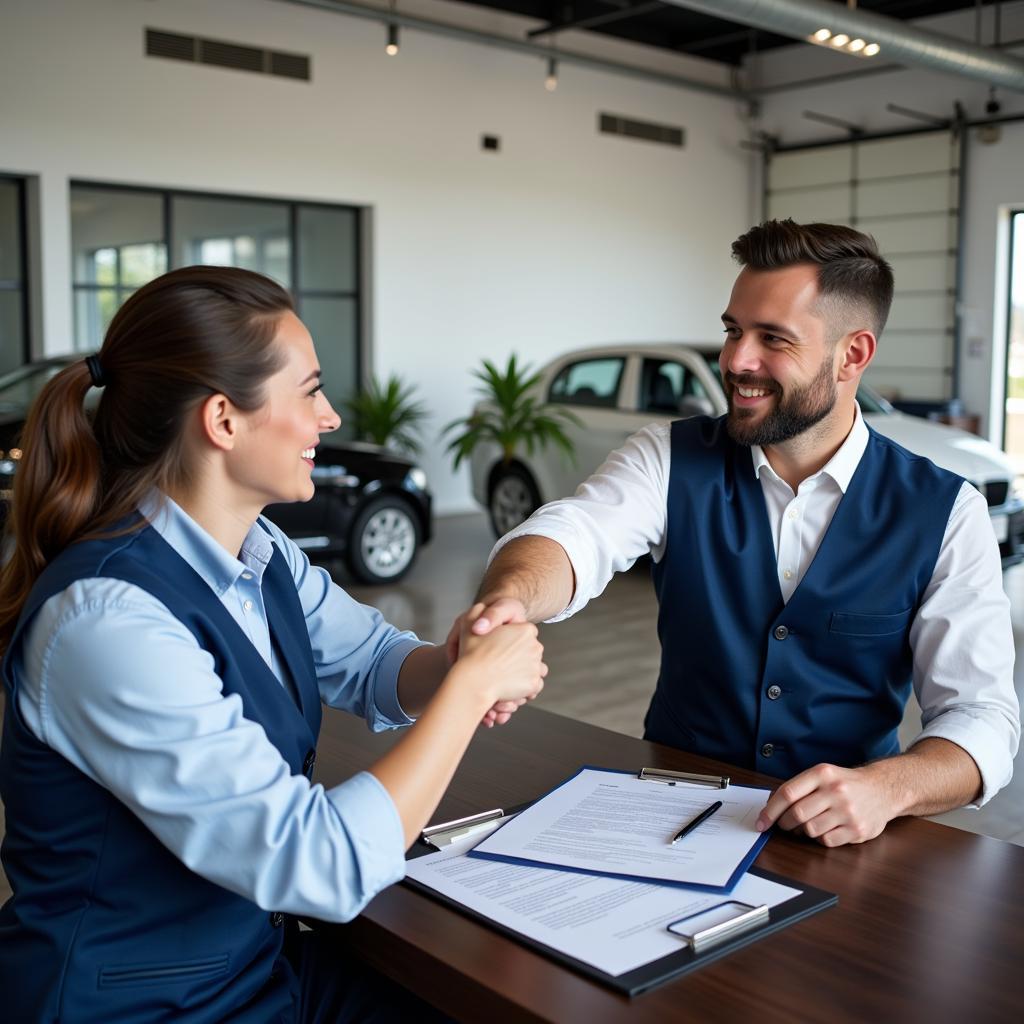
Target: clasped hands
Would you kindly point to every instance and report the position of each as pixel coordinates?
(477, 622)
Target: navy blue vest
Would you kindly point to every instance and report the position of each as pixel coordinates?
(105, 923)
(780, 687)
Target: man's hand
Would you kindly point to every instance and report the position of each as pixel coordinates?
(832, 805)
(480, 620)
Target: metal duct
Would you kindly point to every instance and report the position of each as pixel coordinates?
(898, 40)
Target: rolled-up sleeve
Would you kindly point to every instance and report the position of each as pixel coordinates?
(358, 655)
(121, 689)
(962, 640)
(615, 516)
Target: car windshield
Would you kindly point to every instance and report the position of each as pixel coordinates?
(18, 389)
(870, 401)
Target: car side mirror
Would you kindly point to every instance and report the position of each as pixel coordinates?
(695, 405)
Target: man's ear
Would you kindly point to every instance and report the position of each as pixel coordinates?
(219, 422)
(858, 351)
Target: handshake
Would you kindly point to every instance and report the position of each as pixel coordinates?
(498, 636)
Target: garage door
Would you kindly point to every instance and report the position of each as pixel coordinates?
(903, 190)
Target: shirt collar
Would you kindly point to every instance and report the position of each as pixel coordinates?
(219, 569)
(841, 466)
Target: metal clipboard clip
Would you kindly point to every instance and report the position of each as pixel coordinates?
(670, 778)
(744, 918)
(447, 832)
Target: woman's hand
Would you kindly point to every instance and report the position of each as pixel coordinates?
(506, 663)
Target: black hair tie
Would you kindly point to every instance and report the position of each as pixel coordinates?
(99, 380)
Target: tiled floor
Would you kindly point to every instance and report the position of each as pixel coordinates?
(604, 661)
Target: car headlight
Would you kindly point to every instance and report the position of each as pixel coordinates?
(1017, 488)
(417, 478)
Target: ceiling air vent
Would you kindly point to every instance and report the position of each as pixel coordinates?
(646, 131)
(225, 54)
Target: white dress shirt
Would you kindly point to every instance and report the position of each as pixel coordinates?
(961, 638)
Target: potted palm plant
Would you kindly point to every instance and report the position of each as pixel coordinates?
(511, 416)
(388, 414)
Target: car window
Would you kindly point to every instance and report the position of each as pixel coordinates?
(664, 383)
(588, 382)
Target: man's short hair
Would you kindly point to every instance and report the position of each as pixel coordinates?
(851, 272)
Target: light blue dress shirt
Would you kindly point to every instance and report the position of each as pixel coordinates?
(117, 685)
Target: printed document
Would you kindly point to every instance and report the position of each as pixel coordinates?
(613, 823)
(608, 923)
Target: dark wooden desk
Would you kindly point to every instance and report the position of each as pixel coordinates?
(929, 926)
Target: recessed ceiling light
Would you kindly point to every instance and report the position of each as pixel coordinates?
(822, 34)
(856, 45)
(871, 49)
(840, 39)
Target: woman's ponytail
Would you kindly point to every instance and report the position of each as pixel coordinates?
(58, 488)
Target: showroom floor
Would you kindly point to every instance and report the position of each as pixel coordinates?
(604, 661)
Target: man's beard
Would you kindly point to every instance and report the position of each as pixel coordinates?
(795, 410)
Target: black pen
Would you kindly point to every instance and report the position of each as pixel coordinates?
(694, 822)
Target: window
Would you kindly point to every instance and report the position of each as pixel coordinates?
(588, 382)
(670, 387)
(1013, 426)
(13, 291)
(121, 238)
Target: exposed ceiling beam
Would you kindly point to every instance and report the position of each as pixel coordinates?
(900, 41)
(468, 35)
(595, 20)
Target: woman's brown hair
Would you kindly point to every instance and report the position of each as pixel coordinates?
(185, 336)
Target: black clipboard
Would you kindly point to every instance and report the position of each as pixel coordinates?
(656, 972)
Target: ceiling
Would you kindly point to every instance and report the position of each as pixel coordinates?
(672, 28)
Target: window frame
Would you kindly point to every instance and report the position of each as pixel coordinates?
(358, 293)
(21, 285)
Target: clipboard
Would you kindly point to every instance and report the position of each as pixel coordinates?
(700, 943)
(646, 775)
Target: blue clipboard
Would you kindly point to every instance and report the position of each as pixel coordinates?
(734, 878)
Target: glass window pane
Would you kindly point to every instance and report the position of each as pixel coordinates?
(232, 233)
(333, 324)
(10, 232)
(110, 229)
(94, 309)
(12, 336)
(591, 382)
(327, 249)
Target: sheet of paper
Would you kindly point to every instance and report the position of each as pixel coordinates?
(609, 923)
(616, 824)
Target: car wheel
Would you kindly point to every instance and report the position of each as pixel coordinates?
(384, 541)
(513, 498)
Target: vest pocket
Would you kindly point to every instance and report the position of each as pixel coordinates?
(857, 624)
(163, 973)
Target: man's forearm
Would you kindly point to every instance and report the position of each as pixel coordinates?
(535, 571)
(933, 776)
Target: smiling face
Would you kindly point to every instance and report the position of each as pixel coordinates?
(778, 362)
(274, 460)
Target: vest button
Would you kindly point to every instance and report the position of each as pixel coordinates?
(276, 919)
(774, 692)
(307, 765)
(768, 749)
(781, 632)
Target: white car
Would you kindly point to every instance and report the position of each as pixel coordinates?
(617, 389)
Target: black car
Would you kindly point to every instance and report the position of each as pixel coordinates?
(370, 505)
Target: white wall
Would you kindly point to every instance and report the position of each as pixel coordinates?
(565, 238)
(994, 179)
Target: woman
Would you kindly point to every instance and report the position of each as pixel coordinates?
(166, 653)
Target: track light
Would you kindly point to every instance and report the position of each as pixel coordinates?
(841, 41)
(551, 82)
(392, 48)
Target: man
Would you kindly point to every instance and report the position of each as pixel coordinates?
(808, 570)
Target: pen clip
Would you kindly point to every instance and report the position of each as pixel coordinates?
(447, 832)
(670, 778)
